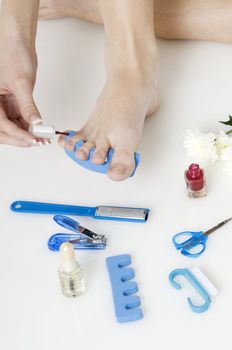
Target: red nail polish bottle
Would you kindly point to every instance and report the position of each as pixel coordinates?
(195, 180)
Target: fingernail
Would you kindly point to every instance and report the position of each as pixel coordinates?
(31, 141)
(118, 169)
(35, 120)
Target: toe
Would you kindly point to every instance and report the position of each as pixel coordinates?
(122, 165)
(83, 152)
(70, 144)
(61, 140)
(100, 154)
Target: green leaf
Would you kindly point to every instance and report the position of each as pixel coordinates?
(229, 122)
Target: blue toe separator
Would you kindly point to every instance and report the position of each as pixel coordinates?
(101, 168)
(126, 304)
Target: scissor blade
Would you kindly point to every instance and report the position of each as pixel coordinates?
(216, 227)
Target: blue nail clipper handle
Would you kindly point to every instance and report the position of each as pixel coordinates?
(100, 168)
(82, 239)
(78, 241)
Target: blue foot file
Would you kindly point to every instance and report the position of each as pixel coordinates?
(101, 168)
(126, 305)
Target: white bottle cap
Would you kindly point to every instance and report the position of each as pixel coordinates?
(68, 262)
(43, 131)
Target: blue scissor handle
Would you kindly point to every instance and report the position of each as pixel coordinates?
(179, 240)
(100, 168)
(195, 239)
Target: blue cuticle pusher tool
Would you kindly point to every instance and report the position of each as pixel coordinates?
(101, 212)
(88, 164)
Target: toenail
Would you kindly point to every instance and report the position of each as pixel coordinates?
(99, 156)
(69, 143)
(118, 169)
(81, 153)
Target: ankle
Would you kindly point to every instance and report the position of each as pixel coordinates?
(131, 59)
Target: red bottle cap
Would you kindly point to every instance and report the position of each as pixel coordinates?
(195, 177)
(194, 171)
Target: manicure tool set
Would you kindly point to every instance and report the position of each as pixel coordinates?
(190, 244)
(70, 272)
(127, 305)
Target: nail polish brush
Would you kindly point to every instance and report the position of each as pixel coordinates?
(45, 131)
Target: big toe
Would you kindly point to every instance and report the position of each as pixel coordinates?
(122, 165)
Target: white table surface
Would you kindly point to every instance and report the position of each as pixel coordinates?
(196, 85)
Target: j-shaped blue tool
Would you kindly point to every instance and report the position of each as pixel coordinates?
(101, 168)
(200, 282)
(125, 303)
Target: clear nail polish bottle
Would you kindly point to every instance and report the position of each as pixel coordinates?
(195, 180)
(70, 272)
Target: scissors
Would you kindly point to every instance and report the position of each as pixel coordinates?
(196, 240)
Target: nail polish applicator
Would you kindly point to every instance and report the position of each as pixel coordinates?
(45, 131)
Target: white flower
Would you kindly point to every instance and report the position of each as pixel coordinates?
(200, 147)
(224, 146)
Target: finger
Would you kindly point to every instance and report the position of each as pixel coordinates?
(23, 123)
(12, 130)
(27, 107)
(8, 140)
(11, 106)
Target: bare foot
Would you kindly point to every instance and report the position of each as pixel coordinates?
(129, 95)
(117, 122)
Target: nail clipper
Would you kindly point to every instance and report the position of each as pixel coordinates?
(82, 239)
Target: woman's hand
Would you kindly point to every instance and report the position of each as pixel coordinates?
(18, 64)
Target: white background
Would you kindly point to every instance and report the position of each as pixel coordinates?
(196, 86)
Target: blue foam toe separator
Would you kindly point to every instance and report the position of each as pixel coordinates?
(125, 303)
(88, 164)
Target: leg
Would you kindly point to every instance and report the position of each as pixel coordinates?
(194, 19)
(174, 19)
(130, 92)
(88, 10)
